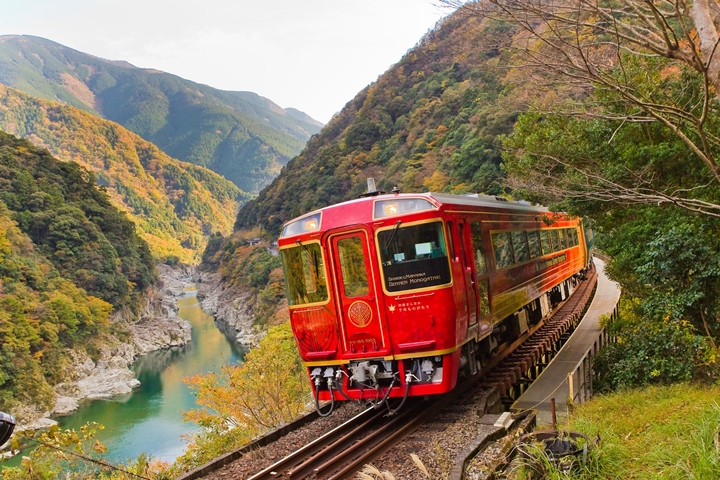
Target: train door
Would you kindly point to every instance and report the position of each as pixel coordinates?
(363, 328)
(468, 271)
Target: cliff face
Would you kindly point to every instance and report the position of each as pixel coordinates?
(108, 374)
(241, 282)
(158, 325)
(232, 306)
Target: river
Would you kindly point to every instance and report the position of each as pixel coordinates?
(150, 419)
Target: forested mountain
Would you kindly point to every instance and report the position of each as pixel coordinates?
(175, 205)
(430, 123)
(67, 257)
(240, 135)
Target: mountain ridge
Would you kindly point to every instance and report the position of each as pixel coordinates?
(240, 135)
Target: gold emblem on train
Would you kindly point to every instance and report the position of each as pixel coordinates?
(360, 314)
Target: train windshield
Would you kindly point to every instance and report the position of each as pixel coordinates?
(304, 274)
(414, 257)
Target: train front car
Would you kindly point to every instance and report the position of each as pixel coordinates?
(395, 295)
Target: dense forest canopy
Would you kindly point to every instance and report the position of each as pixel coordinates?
(72, 222)
(174, 204)
(68, 257)
(240, 135)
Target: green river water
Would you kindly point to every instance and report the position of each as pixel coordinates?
(150, 419)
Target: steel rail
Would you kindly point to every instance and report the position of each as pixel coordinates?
(296, 458)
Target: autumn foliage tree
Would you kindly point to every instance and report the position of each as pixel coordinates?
(242, 401)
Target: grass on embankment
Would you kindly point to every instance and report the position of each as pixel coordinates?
(653, 433)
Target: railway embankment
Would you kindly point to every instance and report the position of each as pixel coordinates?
(554, 382)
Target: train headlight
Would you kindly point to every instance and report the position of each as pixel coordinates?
(390, 208)
(311, 225)
(303, 225)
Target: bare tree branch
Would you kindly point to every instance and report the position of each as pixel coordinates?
(580, 46)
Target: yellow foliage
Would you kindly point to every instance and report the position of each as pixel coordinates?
(460, 189)
(269, 389)
(436, 182)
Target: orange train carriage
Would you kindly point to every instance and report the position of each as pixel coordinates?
(395, 295)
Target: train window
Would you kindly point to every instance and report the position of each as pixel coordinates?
(503, 249)
(304, 274)
(555, 240)
(569, 236)
(545, 242)
(352, 266)
(520, 247)
(476, 235)
(575, 236)
(534, 243)
(563, 239)
(414, 257)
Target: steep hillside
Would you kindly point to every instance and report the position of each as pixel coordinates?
(240, 135)
(175, 205)
(430, 123)
(67, 257)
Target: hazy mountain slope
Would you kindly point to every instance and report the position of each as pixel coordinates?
(240, 135)
(429, 123)
(175, 205)
(67, 257)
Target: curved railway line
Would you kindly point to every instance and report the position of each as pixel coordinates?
(343, 450)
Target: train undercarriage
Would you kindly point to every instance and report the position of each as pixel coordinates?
(378, 380)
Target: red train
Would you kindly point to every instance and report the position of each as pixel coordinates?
(395, 295)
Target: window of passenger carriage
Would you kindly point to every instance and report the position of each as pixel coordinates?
(305, 274)
(414, 256)
(555, 240)
(520, 247)
(503, 249)
(572, 241)
(534, 243)
(563, 239)
(352, 266)
(476, 235)
(574, 233)
(545, 242)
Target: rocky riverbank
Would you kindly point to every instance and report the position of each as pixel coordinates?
(156, 327)
(232, 307)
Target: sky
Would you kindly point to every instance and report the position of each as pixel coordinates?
(313, 55)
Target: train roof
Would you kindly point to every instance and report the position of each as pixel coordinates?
(487, 201)
(363, 207)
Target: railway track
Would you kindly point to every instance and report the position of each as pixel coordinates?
(342, 451)
(335, 453)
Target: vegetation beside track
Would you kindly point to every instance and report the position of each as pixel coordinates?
(659, 432)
